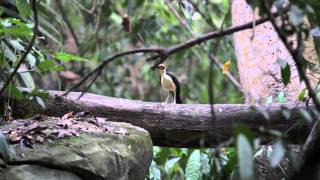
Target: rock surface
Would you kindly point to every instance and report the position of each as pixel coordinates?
(100, 155)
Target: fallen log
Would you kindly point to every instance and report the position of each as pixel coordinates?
(180, 125)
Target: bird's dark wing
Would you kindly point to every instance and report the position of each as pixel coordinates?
(176, 82)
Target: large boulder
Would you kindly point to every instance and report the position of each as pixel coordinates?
(123, 151)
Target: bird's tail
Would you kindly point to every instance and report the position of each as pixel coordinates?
(178, 98)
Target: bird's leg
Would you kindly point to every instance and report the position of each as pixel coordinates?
(174, 98)
(168, 98)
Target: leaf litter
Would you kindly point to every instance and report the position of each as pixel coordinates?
(45, 129)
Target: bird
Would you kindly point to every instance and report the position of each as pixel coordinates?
(170, 83)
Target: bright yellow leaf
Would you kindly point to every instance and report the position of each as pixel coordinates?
(226, 67)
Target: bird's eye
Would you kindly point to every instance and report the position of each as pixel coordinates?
(161, 67)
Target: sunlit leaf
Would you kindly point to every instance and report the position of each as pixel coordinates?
(46, 65)
(277, 153)
(16, 44)
(226, 67)
(155, 173)
(27, 79)
(68, 57)
(23, 8)
(281, 97)
(245, 158)
(205, 164)
(193, 167)
(170, 163)
(40, 102)
(301, 95)
(20, 31)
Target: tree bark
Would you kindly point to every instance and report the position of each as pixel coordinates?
(181, 125)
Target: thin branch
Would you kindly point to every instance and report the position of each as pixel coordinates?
(110, 59)
(29, 48)
(66, 20)
(163, 53)
(207, 19)
(211, 35)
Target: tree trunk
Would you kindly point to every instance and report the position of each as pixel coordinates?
(181, 125)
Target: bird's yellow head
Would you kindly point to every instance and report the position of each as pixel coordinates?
(162, 68)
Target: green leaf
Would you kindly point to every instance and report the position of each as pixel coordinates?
(306, 115)
(20, 31)
(68, 57)
(31, 60)
(1, 10)
(5, 150)
(40, 102)
(169, 164)
(58, 68)
(301, 95)
(281, 97)
(155, 173)
(285, 71)
(277, 153)
(205, 164)
(23, 8)
(27, 79)
(18, 95)
(46, 65)
(245, 158)
(193, 167)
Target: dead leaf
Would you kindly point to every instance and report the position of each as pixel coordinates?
(70, 76)
(226, 67)
(66, 133)
(39, 139)
(67, 116)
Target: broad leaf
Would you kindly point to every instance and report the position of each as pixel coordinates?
(277, 153)
(5, 150)
(14, 91)
(301, 95)
(285, 71)
(68, 57)
(245, 158)
(192, 171)
(23, 8)
(46, 65)
(281, 97)
(40, 102)
(170, 163)
(155, 173)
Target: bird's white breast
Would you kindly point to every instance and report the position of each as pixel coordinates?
(167, 83)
